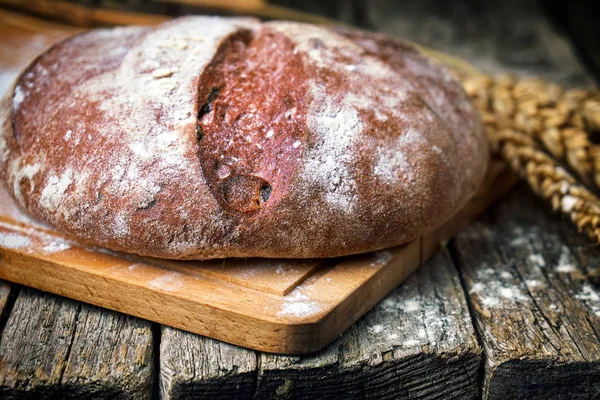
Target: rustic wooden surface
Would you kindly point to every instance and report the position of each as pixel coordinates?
(545, 344)
(537, 314)
(52, 347)
(422, 332)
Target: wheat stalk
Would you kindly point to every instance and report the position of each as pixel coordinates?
(521, 117)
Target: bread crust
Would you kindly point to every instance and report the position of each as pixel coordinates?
(212, 137)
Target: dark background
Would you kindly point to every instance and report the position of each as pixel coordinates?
(493, 31)
(579, 20)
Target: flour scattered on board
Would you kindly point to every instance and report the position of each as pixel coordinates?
(56, 247)
(298, 305)
(169, 282)
(163, 73)
(134, 266)
(382, 257)
(14, 241)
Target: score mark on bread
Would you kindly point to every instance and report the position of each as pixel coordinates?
(252, 119)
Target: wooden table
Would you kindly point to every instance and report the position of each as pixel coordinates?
(509, 309)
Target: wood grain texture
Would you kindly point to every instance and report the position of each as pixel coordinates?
(417, 343)
(193, 366)
(537, 314)
(53, 346)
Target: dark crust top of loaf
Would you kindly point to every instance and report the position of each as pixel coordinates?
(213, 137)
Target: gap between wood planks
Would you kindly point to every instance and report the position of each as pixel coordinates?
(156, 338)
(481, 371)
(8, 295)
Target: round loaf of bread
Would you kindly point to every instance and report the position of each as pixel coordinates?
(213, 137)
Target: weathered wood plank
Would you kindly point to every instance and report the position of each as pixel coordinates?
(496, 36)
(537, 314)
(51, 345)
(193, 366)
(417, 343)
(111, 356)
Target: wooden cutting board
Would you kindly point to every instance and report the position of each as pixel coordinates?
(273, 305)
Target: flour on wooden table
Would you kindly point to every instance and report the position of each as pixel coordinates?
(565, 262)
(518, 241)
(534, 283)
(376, 329)
(410, 306)
(298, 305)
(492, 293)
(537, 259)
(591, 297)
(412, 343)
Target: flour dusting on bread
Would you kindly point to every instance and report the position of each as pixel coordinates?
(328, 167)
